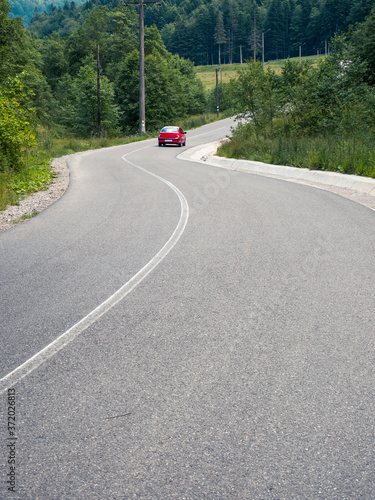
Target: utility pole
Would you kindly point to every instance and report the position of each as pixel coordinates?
(217, 92)
(241, 54)
(255, 38)
(142, 92)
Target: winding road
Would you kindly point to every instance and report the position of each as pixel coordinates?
(172, 330)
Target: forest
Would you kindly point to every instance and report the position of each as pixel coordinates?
(192, 28)
(29, 8)
(49, 79)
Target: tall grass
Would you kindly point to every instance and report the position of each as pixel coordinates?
(350, 155)
(7, 195)
(34, 175)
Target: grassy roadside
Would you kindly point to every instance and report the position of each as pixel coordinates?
(331, 153)
(35, 175)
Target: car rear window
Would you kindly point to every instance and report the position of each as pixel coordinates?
(170, 129)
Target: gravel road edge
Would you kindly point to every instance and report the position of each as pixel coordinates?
(37, 202)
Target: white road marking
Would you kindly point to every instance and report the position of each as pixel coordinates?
(51, 349)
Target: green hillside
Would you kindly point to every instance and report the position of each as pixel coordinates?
(28, 8)
(194, 29)
(199, 29)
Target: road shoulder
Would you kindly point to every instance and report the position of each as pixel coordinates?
(39, 201)
(356, 188)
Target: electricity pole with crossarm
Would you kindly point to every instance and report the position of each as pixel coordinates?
(142, 107)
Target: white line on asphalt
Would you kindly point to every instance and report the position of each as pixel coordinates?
(51, 349)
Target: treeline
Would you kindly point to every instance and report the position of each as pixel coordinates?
(195, 29)
(27, 9)
(316, 117)
(67, 18)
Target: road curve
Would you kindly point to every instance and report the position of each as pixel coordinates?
(240, 366)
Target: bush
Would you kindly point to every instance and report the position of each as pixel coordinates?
(17, 134)
(321, 118)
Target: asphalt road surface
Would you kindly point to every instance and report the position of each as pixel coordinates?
(170, 330)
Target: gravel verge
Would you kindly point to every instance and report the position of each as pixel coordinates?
(37, 202)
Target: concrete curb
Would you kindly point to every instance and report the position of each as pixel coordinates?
(205, 154)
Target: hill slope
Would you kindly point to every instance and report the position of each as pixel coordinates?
(195, 29)
(27, 8)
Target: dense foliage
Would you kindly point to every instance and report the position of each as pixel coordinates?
(318, 117)
(28, 9)
(191, 28)
(17, 116)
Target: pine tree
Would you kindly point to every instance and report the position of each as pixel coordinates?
(220, 35)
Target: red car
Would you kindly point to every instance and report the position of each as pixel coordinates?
(172, 135)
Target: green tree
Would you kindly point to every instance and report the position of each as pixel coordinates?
(55, 63)
(122, 39)
(78, 104)
(12, 43)
(127, 92)
(84, 41)
(300, 19)
(247, 97)
(278, 22)
(359, 10)
(17, 125)
(333, 16)
(297, 85)
(172, 89)
(363, 41)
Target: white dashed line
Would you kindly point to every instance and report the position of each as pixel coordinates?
(63, 340)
